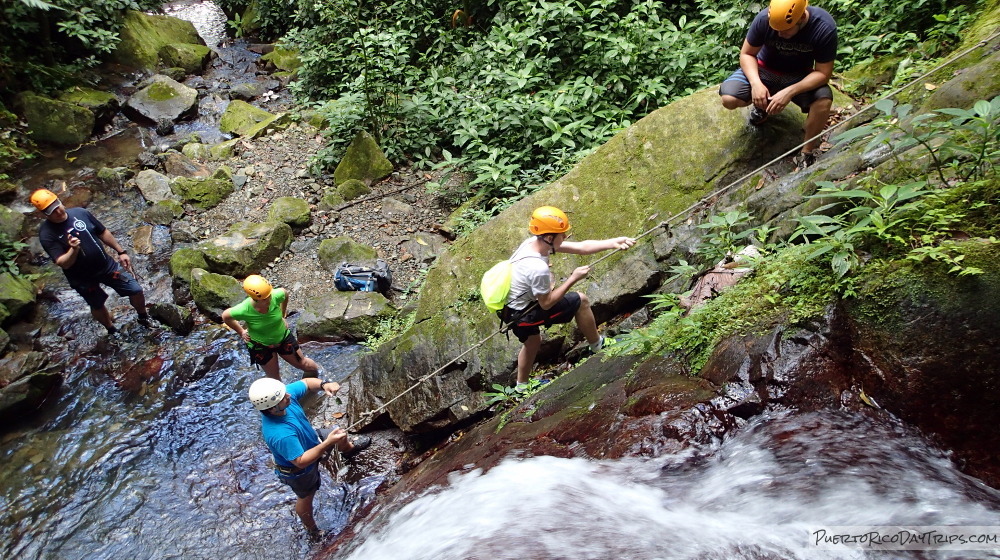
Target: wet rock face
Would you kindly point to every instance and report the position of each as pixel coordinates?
(163, 100)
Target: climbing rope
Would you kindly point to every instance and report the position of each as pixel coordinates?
(665, 224)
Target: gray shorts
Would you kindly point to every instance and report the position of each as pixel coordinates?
(306, 482)
(737, 85)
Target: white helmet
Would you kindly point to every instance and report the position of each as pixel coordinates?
(266, 392)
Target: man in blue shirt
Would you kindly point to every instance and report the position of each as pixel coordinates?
(787, 57)
(295, 445)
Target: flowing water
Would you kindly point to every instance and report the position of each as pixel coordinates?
(757, 495)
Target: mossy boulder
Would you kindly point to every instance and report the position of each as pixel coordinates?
(244, 119)
(343, 315)
(11, 223)
(143, 35)
(164, 99)
(363, 161)
(55, 122)
(179, 319)
(204, 192)
(334, 251)
(197, 150)
(290, 210)
(331, 199)
(103, 104)
(247, 247)
(223, 150)
(183, 261)
(16, 293)
(283, 59)
(189, 56)
(164, 212)
(214, 293)
(980, 81)
(351, 189)
(114, 177)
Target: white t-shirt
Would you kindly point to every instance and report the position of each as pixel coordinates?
(530, 276)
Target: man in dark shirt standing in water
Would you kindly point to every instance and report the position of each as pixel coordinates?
(75, 241)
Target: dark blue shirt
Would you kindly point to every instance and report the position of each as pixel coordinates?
(92, 262)
(815, 42)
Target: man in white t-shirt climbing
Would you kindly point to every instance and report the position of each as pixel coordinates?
(531, 283)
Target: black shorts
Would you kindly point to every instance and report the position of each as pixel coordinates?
(260, 354)
(304, 483)
(531, 322)
(118, 280)
(737, 85)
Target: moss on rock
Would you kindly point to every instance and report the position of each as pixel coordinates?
(284, 59)
(246, 120)
(143, 35)
(164, 212)
(56, 122)
(351, 189)
(191, 57)
(290, 210)
(204, 192)
(183, 261)
(334, 251)
(363, 160)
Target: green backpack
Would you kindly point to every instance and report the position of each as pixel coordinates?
(495, 285)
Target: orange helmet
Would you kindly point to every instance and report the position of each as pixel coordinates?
(257, 287)
(548, 219)
(785, 14)
(43, 198)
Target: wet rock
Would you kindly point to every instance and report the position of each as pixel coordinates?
(177, 74)
(163, 99)
(247, 248)
(111, 177)
(18, 364)
(148, 160)
(4, 343)
(189, 56)
(214, 293)
(205, 192)
(103, 104)
(55, 122)
(183, 261)
(26, 394)
(364, 161)
(164, 127)
(142, 240)
(334, 251)
(179, 165)
(16, 294)
(8, 191)
(247, 91)
(342, 315)
(164, 212)
(154, 186)
(179, 319)
(142, 36)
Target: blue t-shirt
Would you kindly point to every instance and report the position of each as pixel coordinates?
(91, 262)
(291, 435)
(815, 42)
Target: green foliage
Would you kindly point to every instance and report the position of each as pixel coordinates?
(15, 146)
(9, 250)
(512, 395)
(726, 235)
(387, 329)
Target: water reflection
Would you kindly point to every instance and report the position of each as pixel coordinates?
(208, 19)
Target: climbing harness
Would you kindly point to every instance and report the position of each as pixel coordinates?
(705, 202)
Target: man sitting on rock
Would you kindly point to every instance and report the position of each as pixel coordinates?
(787, 57)
(75, 241)
(534, 300)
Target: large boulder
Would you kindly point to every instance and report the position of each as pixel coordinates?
(178, 318)
(244, 119)
(658, 167)
(204, 192)
(290, 210)
(11, 223)
(191, 57)
(103, 104)
(336, 250)
(363, 161)
(246, 248)
(143, 35)
(16, 293)
(164, 99)
(351, 189)
(183, 261)
(343, 315)
(285, 60)
(55, 122)
(27, 394)
(164, 212)
(153, 185)
(214, 293)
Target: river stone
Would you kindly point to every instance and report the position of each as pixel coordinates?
(363, 161)
(164, 212)
(113, 177)
(16, 293)
(284, 59)
(163, 99)
(142, 240)
(154, 186)
(244, 119)
(142, 36)
(26, 395)
(334, 251)
(55, 122)
(196, 150)
(191, 57)
(204, 193)
(224, 150)
(174, 73)
(247, 91)
(179, 165)
(183, 261)
(11, 223)
(103, 104)
(178, 318)
(21, 363)
(425, 247)
(247, 248)
(214, 293)
(331, 199)
(351, 189)
(290, 210)
(343, 315)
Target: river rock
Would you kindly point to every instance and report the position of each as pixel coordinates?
(290, 210)
(154, 186)
(16, 293)
(214, 293)
(27, 394)
(55, 122)
(331, 199)
(179, 319)
(11, 223)
(247, 91)
(142, 240)
(179, 165)
(103, 104)
(425, 247)
(351, 189)
(204, 193)
(18, 364)
(247, 248)
(191, 57)
(364, 161)
(164, 212)
(224, 150)
(334, 251)
(183, 261)
(196, 150)
(113, 177)
(4, 341)
(244, 119)
(286, 60)
(142, 36)
(8, 191)
(163, 99)
(342, 315)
